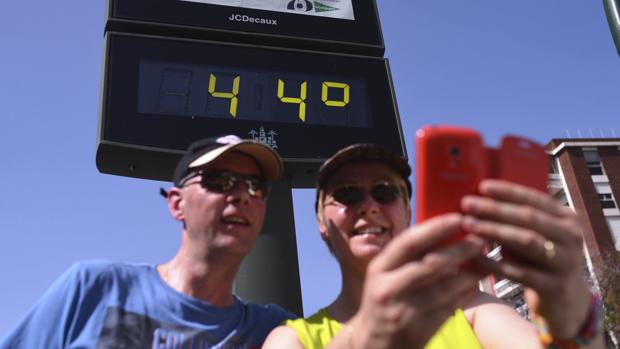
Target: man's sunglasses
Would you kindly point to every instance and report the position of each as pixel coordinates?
(349, 195)
(224, 181)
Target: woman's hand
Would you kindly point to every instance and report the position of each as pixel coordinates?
(413, 286)
(542, 247)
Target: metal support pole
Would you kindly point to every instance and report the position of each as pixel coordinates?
(612, 9)
(270, 273)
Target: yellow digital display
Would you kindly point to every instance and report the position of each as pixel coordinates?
(232, 95)
(247, 94)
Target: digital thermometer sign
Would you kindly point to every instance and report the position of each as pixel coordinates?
(160, 94)
(216, 91)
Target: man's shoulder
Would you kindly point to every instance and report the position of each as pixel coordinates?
(269, 311)
(94, 271)
(258, 320)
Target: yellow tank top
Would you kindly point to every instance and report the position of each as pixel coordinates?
(318, 330)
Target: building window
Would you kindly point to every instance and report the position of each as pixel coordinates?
(614, 226)
(595, 168)
(593, 161)
(607, 201)
(553, 165)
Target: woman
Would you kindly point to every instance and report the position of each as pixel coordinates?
(403, 288)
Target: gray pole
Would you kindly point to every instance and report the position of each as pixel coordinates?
(612, 9)
(270, 274)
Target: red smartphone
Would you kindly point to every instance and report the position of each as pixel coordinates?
(450, 163)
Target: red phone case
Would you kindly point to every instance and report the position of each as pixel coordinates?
(450, 163)
(524, 162)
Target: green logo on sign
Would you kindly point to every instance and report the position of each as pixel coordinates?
(318, 7)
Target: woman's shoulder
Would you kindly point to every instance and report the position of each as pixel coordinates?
(283, 337)
(314, 331)
(319, 321)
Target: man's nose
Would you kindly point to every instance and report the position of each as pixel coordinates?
(239, 192)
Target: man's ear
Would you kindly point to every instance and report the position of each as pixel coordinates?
(175, 203)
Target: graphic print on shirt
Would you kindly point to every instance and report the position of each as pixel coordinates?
(127, 330)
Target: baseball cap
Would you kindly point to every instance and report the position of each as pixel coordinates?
(362, 152)
(205, 151)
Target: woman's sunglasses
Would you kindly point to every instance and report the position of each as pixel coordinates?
(224, 182)
(349, 195)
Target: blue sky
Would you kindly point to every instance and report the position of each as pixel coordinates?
(530, 67)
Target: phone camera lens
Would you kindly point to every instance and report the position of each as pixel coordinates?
(455, 151)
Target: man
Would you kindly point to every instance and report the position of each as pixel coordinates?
(219, 196)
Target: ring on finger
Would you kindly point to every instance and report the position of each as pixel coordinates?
(549, 248)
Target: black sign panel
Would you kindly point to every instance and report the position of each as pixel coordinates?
(190, 19)
(159, 95)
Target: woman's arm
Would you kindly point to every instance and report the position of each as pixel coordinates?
(497, 325)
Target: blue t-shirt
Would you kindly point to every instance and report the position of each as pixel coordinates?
(113, 305)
